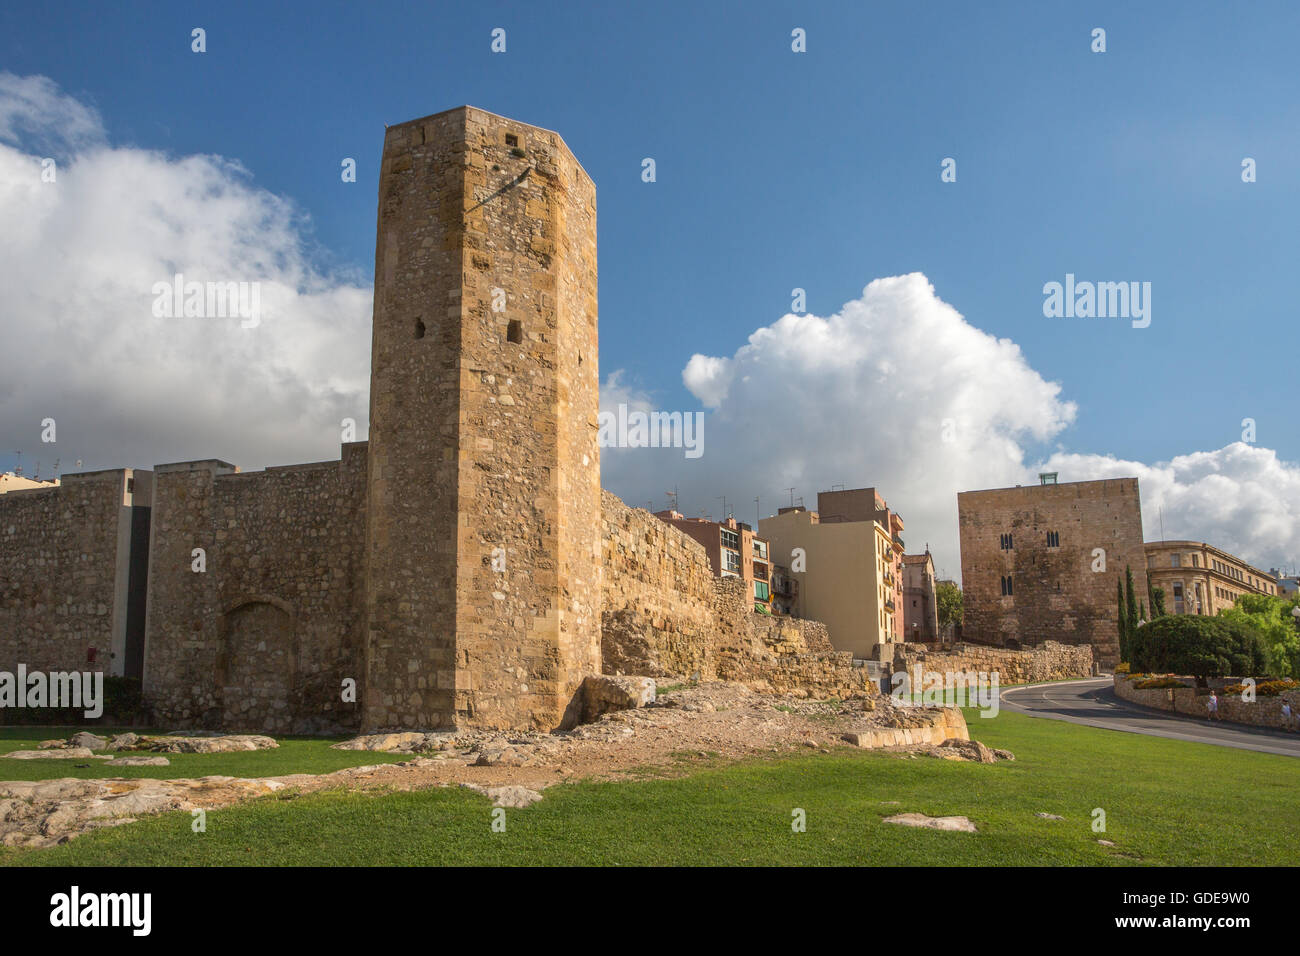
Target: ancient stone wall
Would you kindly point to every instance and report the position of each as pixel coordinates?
(665, 614)
(1058, 590)
(657, 594)
(59, 572)
(262, 638)
(1047, 662)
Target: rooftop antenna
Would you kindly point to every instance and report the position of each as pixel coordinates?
(756, 512)
(672, 498)
(724, 507)
(791, 490)
(1162, 523)
(840, 486)
(18, 463)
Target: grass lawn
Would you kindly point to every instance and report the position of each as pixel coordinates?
(294, 755)
(1166, 802)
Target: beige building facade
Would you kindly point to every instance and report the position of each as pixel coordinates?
(844, 577)
(1198, 578)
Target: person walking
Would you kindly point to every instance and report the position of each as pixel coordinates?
(1213, 707)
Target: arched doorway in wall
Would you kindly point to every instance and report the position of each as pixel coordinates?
(258, 660)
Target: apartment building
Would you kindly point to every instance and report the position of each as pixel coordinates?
(1198, 578)
(866, 504)
(920, 604)
(843, 574)
(734, 551)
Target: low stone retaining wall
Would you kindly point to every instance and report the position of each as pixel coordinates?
(1262, 712)
(944, 723)
(1048, 661)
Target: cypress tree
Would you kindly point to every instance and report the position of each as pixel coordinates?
(1120, 620)
(1130, 602)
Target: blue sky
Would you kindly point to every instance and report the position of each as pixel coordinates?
(818, 170)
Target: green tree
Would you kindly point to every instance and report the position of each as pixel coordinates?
(1203, 647)
(1157, 602)
(949, 600)
(1278, 628)
(1121, 620)
(1130, 603)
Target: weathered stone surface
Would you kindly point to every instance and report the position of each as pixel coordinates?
(602, 693)
(1049, 661)
(483, 530)
(138, 762)
(88, 740)
(175, 744)
(405, 742)
(511, 796)
(123, 742)
(66, 753)
(1049, 816)
(1056, 594)
(932, 823)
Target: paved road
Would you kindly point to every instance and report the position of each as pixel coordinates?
(1093, 703)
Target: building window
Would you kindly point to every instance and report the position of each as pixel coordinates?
(1006, 542)
(514, 332)
(731, 561)
(730, 539)
(1053, 539)
(512, 139)
(1196, 560)
(760, 590)
(1175, 560)
(1006, 585)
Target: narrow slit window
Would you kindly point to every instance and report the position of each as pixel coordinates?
(512, 139)
(514, 331)
(419, 328)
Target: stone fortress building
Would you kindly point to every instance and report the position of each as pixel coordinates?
(1041, 562)
(463, 567)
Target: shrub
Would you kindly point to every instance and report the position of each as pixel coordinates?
(1268, 688)
(1122, 668)
(1201, 646)
(1152, 683)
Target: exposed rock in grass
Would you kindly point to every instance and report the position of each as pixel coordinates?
(138, 762)
(932, 823)
(226, 743)
(514, 797)
(66, 753)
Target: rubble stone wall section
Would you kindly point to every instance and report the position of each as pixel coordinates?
(1047, 662)
(264, 636)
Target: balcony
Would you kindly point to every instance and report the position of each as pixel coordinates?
(899, 541)
(760, 571)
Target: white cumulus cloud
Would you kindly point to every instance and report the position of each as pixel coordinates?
(79, 258)
(899, 391)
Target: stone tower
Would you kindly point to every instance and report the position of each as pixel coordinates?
(483, 498)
